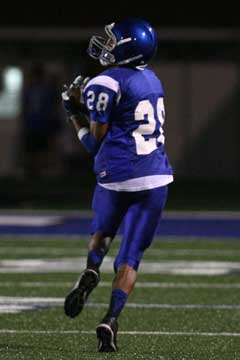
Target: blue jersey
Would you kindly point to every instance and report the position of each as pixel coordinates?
(131, 101)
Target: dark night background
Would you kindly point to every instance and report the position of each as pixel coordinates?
(163, 14)
(205, 68)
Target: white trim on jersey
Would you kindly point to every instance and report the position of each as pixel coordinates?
(106, 81)
(140, 184)
(82, 132)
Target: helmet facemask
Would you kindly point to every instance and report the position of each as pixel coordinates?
(101, 47)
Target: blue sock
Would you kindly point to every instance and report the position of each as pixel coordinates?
(117, 302)
(94, 259)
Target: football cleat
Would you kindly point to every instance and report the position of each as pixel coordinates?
(107, 335)
(76, 299)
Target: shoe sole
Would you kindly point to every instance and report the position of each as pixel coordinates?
(76, 299)
(74, 303)
(105, 336)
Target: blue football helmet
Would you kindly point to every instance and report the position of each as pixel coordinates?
(132, 41)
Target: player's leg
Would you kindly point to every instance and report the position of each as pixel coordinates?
(140, 225)
(90, 277)
(109, 210)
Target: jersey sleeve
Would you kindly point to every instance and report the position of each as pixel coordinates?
(100, 95)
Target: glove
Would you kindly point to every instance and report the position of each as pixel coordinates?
(79, 83)
(72, 97)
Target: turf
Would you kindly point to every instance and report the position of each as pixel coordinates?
(185, 334)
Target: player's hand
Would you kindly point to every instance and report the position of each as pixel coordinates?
(75, 89)
(77, 86)
(72, 97)
(70, 103)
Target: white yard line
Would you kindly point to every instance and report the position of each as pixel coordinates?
(192, 252)
(140, 284)
(157, 333)
(54, 301)
(30, 220)
(77, 264)
(15, 309)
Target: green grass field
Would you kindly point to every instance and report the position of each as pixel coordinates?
(192, 314)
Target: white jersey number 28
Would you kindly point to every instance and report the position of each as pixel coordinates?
(145, 111)
(101, 103)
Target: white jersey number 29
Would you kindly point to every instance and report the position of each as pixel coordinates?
(145, 110)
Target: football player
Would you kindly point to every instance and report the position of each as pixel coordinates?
(125, 107)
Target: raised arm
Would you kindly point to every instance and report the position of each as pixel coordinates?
(90, 133)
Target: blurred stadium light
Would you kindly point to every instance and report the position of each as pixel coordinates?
(12, 82)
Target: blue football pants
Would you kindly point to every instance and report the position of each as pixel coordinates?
(141, 212)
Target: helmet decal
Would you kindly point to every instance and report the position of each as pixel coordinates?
(123, 41)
